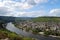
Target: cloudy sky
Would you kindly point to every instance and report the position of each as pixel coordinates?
(29, 8)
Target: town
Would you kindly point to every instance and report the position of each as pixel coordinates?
(51, 28)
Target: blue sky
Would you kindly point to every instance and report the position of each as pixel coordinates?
(29, 8)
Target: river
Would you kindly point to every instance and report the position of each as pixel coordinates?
(12, 28)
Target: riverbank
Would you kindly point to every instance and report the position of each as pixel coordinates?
(7, 35)
(10, 35)
(54, 36)
(42, 33)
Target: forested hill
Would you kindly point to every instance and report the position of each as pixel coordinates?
(12, 19)
(46, 19)
(35, 19)
(6, 19)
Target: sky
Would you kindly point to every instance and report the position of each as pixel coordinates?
(29, 8)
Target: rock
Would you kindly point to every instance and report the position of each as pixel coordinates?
(5, 39)
(41, 33)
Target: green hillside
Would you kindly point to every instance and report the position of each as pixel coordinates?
(46, 19)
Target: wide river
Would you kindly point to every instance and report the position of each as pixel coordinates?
(12, 28)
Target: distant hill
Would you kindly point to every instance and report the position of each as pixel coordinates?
(46, 19)
(35, 19)
(12, 19)
(7, 19)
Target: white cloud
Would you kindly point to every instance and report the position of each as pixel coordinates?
(6, 12)
(23, 6)
(9, 7)
(30, 14)
(55, 12)
(41, 1)
(35, 2)
(1, 4)
(14, 4)
(23, 0)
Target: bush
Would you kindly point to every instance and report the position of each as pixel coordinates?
(7, 34)
(47, 32)
(27, 39)
(35, 31)
(28, 29)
